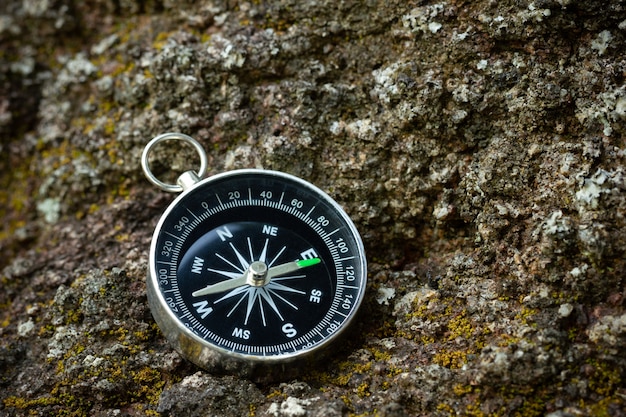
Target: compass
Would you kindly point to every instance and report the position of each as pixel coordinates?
(251, 267)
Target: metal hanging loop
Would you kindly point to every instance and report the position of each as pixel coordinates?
(145, 165)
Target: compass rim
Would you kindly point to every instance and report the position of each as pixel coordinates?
(210, 354)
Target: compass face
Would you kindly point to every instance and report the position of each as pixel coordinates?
(255, 265)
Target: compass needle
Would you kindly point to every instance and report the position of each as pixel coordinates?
(292, 267)
(238, 280)
(287, 277)
(221, 286)
(251, 267)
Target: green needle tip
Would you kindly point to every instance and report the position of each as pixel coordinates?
(308, 262)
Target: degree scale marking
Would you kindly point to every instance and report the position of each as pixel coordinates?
(307, 339)
(194, 215)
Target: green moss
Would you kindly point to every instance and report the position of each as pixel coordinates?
(606, 407)
(149, 384)
(5, 307)
(460, 389)
(445, 408)
(460, 326)
(473, 410)
(23, 403)
(276, 393)
(161, 40)
(526, 316)
(470, 398)
(373, 413)
(363, 390)
(457, 335)
(453, 359)
(65, 404)
(73, 316)
(347, 369)
(605, 379)
(277, 24)
(356, 376)
(139, 386)
(17, 183)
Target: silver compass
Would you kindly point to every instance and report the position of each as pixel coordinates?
(252, 267)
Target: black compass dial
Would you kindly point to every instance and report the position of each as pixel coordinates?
(256, 264)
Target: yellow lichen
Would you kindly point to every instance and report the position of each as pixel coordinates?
(605, 379)
(473, 410)
(453, 359)
(460, 326)
(363, 390)
(150, 384)
(446, 409)
(460, 389)
(161, 40)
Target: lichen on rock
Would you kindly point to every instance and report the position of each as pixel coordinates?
(478, 146)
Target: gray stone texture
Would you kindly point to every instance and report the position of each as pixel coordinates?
(478, 146)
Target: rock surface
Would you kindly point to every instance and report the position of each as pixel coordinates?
(478, 146)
